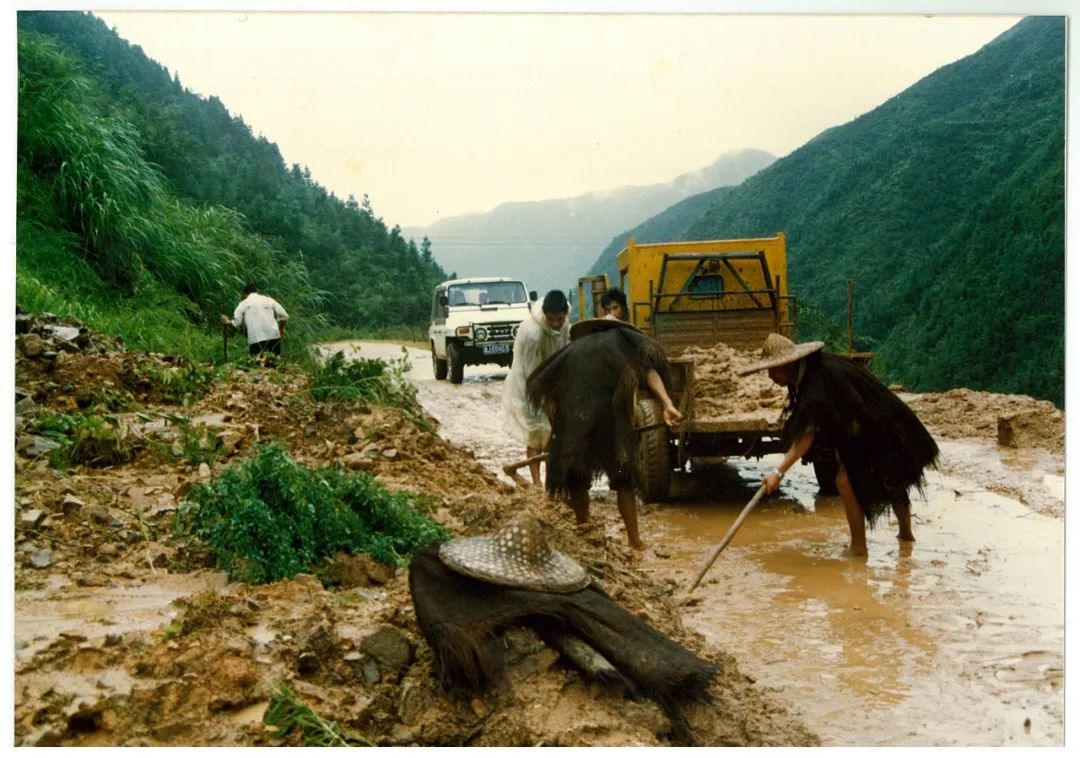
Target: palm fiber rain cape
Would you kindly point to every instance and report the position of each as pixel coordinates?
(588, 390)
(879, 440)
(461, 618)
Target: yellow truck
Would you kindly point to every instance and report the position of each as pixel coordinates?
(695, 295)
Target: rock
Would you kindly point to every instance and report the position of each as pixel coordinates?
(229, 441)
(1031, 428)
(41, 558)
(70, 504)
(33, 445)
(165, 503)
(204, 471)
(31, 345)
(32, 518)
(24, 406)
(358, 462)
(359, 434)
(359, 570)
(390, 452)
(369, 670)
(64, 333)
(389, 647)
(100, 515)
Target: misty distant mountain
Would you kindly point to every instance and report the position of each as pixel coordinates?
(550, 243)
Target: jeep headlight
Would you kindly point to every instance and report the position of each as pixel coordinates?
(462, 331)
(480, 334)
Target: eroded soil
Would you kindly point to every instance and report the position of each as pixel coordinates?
(125, 636)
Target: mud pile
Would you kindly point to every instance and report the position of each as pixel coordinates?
(719, 391)
(1014, 421)
(103, 658)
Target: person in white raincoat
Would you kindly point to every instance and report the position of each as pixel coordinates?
(544, 332)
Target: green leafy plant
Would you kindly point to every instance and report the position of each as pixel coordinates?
(268, 517)
(365, 379)
(287, 714)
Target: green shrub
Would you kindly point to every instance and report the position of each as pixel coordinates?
(268, 517)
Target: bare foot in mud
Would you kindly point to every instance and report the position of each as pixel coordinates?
(854, 551)
(637, 545)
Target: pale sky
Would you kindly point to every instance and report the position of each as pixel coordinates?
(436, 115)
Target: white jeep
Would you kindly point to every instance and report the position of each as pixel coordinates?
(474, 321)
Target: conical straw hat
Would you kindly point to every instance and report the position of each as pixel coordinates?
(518, 555)
(779, 350)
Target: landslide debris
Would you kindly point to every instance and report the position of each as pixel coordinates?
(126, 634)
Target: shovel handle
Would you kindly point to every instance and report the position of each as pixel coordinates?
(727, 537)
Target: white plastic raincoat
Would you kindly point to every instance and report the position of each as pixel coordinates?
(535, 341)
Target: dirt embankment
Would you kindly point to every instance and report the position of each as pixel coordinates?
(103, 659)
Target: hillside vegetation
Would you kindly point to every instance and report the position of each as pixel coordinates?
(143, 208)
(945, 206)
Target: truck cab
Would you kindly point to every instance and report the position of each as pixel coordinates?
(474, 321)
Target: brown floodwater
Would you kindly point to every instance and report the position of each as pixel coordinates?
(955, 640)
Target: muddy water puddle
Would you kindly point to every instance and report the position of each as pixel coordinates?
(955, 640)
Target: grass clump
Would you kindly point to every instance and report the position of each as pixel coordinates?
(268, 517)
(287, 714)
(365, 379)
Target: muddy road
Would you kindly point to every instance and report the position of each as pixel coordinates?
(957, 640)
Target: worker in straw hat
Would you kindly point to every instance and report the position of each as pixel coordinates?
(881, 446)
(589, 390)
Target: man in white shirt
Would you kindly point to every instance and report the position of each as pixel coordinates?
(263, 318)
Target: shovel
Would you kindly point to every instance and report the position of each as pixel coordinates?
(727, 537)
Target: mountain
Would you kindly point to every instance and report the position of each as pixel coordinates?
(945, 207)
(668, 225)
(549, 243)
(85, 92)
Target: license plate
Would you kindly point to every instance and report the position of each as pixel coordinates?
(496, 349)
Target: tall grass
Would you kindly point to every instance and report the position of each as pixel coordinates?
(101, 238)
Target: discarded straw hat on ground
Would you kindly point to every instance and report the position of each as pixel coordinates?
(518, 555)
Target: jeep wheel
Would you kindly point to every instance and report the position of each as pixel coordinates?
(654, 453)
(438, 364)
(456, 361)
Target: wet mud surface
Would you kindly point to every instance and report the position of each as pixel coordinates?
(955, 640)
(125, 637)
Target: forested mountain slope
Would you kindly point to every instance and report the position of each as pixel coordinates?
(945, 206)
(206, 161)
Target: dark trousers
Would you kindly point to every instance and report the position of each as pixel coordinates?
(266, 346)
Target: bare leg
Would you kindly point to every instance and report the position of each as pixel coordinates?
(854, 513)
(579, 502)
(903, 515)
(628, 511)
(534, 467)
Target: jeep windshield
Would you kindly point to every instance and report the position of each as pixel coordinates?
(487, 293)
